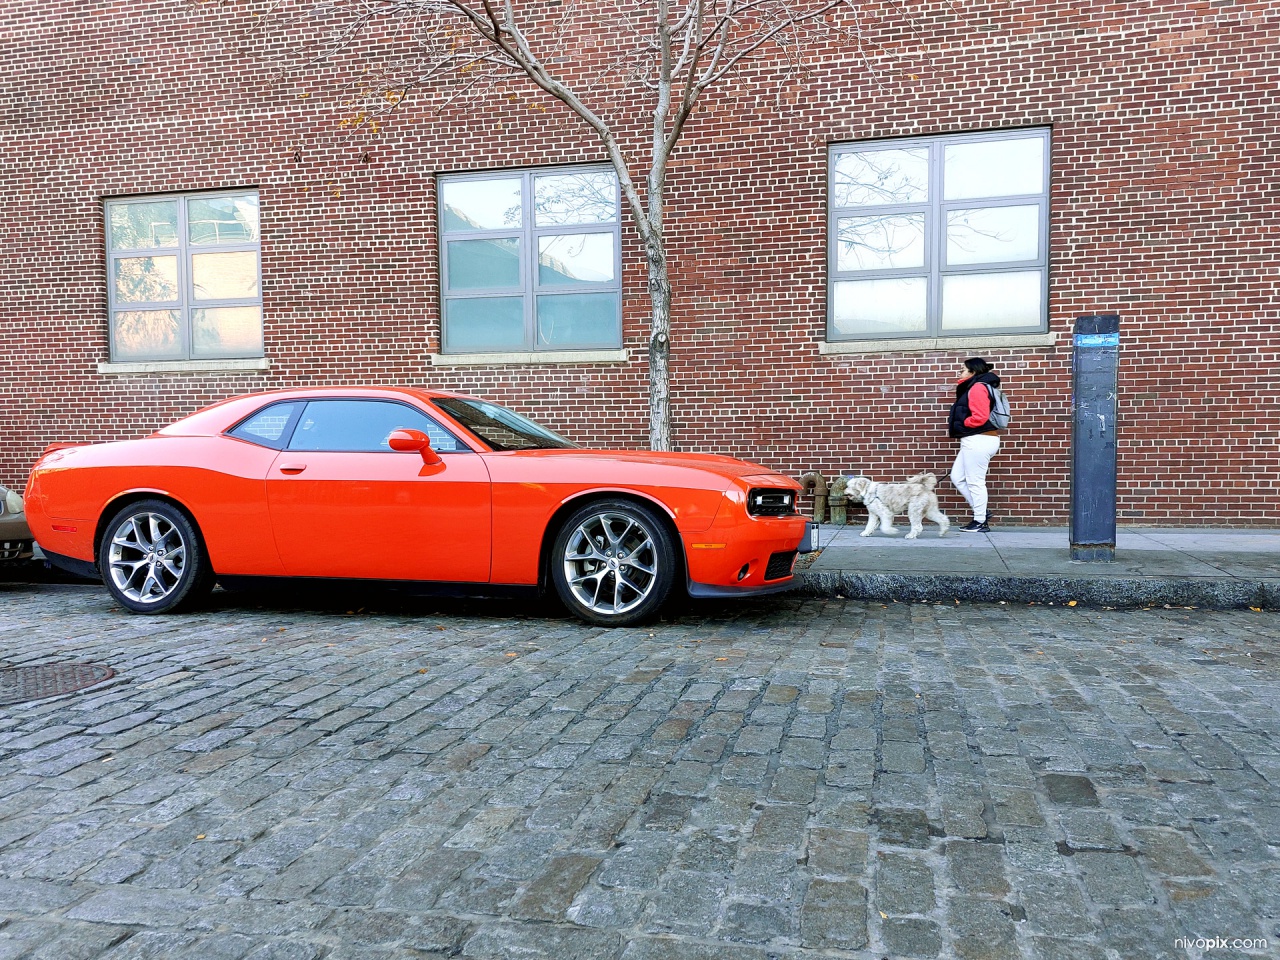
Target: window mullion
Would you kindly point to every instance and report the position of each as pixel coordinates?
(185, 272)
(529, 263)
(935, 225)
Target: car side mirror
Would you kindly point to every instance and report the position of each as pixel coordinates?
(413, 441)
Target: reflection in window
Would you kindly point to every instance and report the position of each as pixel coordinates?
(483, 324)
(575, 198)
(879, 177)
(994, 168)
(146, 279)
(363, 426)
(993, 235)
(940, 235)
(223, 331)
(224, 276)
(884, 242)
(483, 264)
(143, 226)
(978, 301)
(492, 204)
(146, 335)
(267, 426)
(880, 308)
(202, 298)
(575, 258)
(223, 220)
(569, 321)
(524, 235)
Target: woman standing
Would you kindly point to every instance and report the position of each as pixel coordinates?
(970, 422)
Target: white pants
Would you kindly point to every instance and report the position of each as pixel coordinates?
(969, 473)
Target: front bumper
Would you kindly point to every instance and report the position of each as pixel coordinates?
(747, 557)
(15, 538)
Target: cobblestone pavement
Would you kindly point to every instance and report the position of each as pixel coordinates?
(782, 778)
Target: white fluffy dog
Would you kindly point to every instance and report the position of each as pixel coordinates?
(914, 497)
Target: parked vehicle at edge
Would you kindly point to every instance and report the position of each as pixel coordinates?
(15, 535)
(452, 493)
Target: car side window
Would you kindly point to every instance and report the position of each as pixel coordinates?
(268, 427)
(364, 426)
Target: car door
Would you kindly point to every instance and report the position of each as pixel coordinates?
(343, 504)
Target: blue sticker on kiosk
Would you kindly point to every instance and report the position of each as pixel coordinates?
(1097, 339)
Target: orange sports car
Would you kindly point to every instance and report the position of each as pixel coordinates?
(449, 492)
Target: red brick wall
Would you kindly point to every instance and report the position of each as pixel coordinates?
(1164, 209)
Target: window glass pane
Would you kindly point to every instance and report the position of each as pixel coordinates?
(872, 308)
(979, 301)
(994, 168)
(876, 177)
(227, 332)
(575, 258)
(140, 226)
(225, 276)
(500, 428)
(484, 264)
(578, 320)
(880, 243)
(223, 220)
(146, 279)
(484, 324)
(146, 334)
(362, 426)
(575, 198)
(266, 425)
(480, 204)
(993, 235)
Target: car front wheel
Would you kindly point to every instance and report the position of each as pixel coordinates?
(152, 560)
(613, 563)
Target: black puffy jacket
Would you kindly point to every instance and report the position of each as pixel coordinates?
(960, 409)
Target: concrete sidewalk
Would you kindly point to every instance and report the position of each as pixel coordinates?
(1153, 567)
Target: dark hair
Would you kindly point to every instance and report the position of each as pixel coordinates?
(976, 365)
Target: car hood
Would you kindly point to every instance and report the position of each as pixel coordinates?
(726, 467)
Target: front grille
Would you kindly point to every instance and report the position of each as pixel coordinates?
(771, 502)
(780, 565)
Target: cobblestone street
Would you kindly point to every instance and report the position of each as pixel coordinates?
(780, 778)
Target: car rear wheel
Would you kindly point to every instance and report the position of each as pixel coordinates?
(613, 563)
(152, 559)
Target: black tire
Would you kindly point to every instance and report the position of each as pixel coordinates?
(152, 558)
(613, 563)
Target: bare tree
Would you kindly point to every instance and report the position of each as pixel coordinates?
(663, 56)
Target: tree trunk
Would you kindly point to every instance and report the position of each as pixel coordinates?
(659, 347)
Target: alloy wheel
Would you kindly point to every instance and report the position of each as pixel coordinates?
(611, 563)
(147, 558)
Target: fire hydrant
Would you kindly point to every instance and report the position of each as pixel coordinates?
(836, 498)
(816, 484)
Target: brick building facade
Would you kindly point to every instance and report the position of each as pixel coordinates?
(1162, 195)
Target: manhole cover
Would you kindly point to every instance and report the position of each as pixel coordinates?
(19, 684)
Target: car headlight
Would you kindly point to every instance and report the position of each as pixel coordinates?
(771, 502)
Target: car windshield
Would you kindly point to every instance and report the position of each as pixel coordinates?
(500, 428)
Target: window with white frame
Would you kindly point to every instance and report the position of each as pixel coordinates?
(184, 277)
(939, 236)
(530, 260)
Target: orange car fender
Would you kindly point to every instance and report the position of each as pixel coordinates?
(524, 527)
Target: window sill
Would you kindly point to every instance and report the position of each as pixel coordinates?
(184, 366)
(544, 356)
(961, 344)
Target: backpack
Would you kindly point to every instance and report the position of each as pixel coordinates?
(1000, 415)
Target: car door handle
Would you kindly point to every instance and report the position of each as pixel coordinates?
(292, 467)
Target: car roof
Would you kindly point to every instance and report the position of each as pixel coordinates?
(217, 418)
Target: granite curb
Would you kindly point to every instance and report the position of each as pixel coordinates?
(1226, 593)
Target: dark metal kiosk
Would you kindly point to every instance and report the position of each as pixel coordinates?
(1095, 359)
